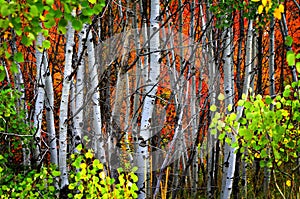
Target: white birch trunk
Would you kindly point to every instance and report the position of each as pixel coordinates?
(267, 171)
(212, 139)
(248, 67)
(63, 116)
(229, 154)
(193, 106)
(98, 141)
(79, 91)
(150, 90)
(40, 93)
(49, 104)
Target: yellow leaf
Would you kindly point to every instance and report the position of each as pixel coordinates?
(89, 154)
(288, 183)
(213, 108)
(42, 18)
(83, 165)
(102, 175)
(281, 8)
(264, 2)
(277, 13)
(260, 9)
(255, 0)
(221, 97)
(92, 1)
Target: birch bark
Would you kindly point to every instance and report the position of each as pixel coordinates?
(40, 94)
(64, 103)
(150, 90)
(229, 154)
(98, 141)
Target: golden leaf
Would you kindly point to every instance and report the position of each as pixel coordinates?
(260, 9)
(277, 13)
(281, 8)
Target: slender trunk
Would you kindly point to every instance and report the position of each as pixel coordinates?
(212, 138)
(79, 90)
(63, 116)
(49, 104)
(193, 105)
(98, 140)
(267, 171)
(229, 152)
(40, 94)
(152, 80)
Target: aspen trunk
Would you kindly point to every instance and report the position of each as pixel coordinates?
(64, 103)
(150, 90)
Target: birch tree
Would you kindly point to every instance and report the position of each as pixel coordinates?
(40, 94)
(212, 142)
(149, 101)
(49, 104)
(227, 187)
(63, 116)
(229, 152)
(79, 90)
(98, 140)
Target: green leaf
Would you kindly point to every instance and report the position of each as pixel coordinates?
(286, 93)
(56, 173)
(229, 108)
(288, 41)
(134, 177)
(298, 67)
(2, 75)
(5, 11)
(49, 23)
(50, 2)
(298, 56)
(77, 25)
(228, 140)
(268, 100)
(79, 147)
(62, 29)
(290, 57)
(51, 188)
(88, 12)
(25, 40)
(62, 23)
(46, 44)
(222, 136)
(232, 116)
(98, 8)
(14, 68)
(18, 57)
(263, 154)
(34, 11)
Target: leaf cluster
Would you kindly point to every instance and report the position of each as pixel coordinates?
(27, 19)
(268, 129)
(90, 179)
(32, 184)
